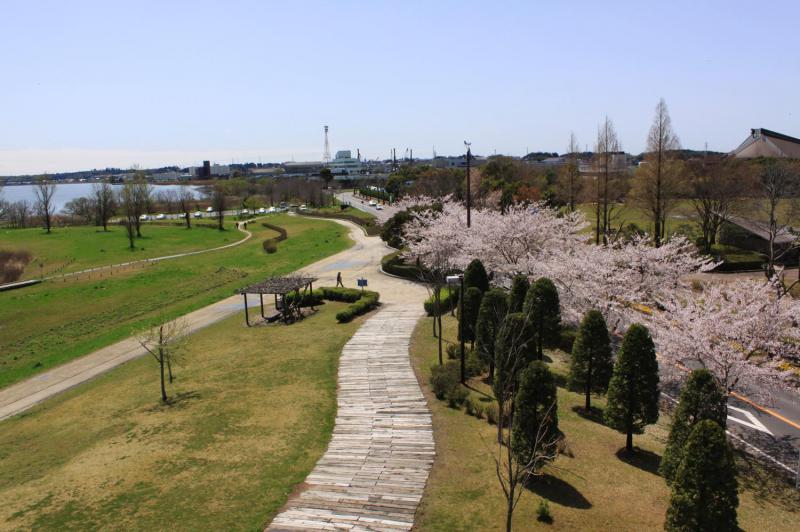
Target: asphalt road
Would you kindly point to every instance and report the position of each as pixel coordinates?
(383, 214)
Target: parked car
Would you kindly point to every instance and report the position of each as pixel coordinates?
(210, 209)
(379, 207)
(160, 216)
(272, 210)
(198, 214)
(245, 211)
(262, 210)
(373, 203)
(144, 218)
(303, 207)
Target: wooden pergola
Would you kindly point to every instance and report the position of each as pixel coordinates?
(286, 310)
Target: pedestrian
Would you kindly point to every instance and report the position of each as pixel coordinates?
(339, 280)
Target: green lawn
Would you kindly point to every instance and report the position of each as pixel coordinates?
(682, 214)
(44, 325)
(70, 249)
(350, 211)
(589, 489)
(254, 411)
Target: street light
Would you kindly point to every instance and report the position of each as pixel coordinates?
(458, 280)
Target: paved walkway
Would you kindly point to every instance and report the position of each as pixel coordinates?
(374, 472)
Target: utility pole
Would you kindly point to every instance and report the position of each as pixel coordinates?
(469, 194)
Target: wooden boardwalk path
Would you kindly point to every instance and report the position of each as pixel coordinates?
(375, 468)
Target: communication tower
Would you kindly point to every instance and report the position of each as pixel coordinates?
(326, 155)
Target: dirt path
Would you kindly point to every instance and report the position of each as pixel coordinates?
(361, 260)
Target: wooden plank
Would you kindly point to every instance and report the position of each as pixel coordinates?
(375, 468)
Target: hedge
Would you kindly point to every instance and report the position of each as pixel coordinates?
(361, 302)
(394, 265)
(448, 299)
(270, 245)
(378, 194)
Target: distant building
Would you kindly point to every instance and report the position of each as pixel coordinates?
(753, 235)
(457, 162)
(208, 170)
(170, 175)
(765, 143)
(344, 165)
(306, 168)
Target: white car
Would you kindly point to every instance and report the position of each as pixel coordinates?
(303, 207)
(262, 210)
(144, 218)
(272, 210)
(245, 211)
(379, 207)
(160, 217)
(373, 203)
(198, 214)
(210, 209)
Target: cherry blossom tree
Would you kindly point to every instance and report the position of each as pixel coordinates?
(744, 334)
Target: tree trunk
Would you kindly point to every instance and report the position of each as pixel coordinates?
(169, 370)
(441, 361)
(509, 512)
(589, 386)
(163, 388)
(629, 440)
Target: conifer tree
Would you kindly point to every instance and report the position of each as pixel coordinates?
(633, 390)
(469, 313)
(475, 275)
(543, 309)
(704, 493)
(519, 289)
(511, 355)
(493, 309)
(535, 424)
(591, 364)
(701, 398)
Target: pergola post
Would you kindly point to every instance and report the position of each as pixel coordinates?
(261, 298)
(246, 316)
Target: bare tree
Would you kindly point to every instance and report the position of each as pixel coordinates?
(81, 209)
(608, 186)
(715, 188)
(104, 203)
(127, 200)
(45, 206)
(18, 214)
(777, 184)
(185, 199)
(569, 180)
(166, 343)
(659, 178)
(142, 199)
(218, 203)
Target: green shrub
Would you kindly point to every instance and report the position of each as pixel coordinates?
(309, 298)
(543, 512)
(444, 378)
(457, 396)
(566, 339)
(492, 414)
(469, 405)
(473, 365)
(453, 351)
(393, 264)
(270, 246)
(448, 299)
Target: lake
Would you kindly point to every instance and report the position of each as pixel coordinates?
(69, 191)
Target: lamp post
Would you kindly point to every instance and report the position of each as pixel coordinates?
(453, 280)
(469, 195)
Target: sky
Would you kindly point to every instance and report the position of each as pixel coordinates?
(88, 84)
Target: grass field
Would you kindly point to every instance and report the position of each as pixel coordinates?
(44, 325)
(351, 211)
(623, 214)
(254, 410)
(594, 489)
(69, 249)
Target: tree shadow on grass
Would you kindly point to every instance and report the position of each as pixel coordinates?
(177, 400)
(644, 460)
(593, 414)
(766, 485)
(558, 491)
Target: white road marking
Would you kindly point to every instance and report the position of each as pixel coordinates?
(751, 422)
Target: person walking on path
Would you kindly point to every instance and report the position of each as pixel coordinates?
(339, 280)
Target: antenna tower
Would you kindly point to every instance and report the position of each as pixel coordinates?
(326, 155)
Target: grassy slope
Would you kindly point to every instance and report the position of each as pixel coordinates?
(48, 324)
(255, 411)
(593, 490)
(74, 248)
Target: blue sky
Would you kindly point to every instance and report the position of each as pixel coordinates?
(90, 84)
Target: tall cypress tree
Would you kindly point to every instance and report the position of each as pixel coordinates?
(591, 364)
(704, 493)
(475, 275)
(511, 355)
(469, 313)
(494, 307)
(701, 398)
(543, 309)
(519, 289)
(633, 390)
(535, 424)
